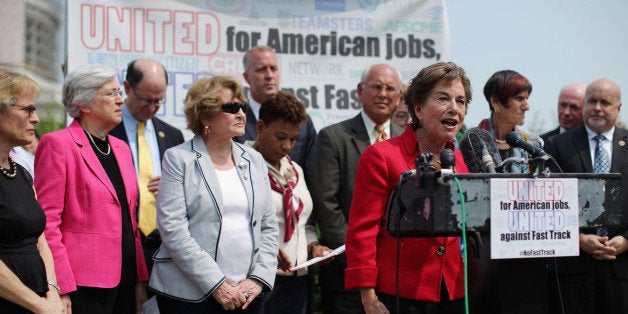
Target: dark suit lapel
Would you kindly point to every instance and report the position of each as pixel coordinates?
(120, 132)
(249, 129)
(359, 136)
(161, 136)
(620, 139)
(581, 141)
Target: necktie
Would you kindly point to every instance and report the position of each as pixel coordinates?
(382, 134)
(291, 215)
(147, 215)
(601, 162)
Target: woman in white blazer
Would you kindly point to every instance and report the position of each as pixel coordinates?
(215, 211)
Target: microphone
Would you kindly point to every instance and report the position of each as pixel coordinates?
(447, 161)
(514, 139)
(479, 151)
(487, 160)
(447, 158)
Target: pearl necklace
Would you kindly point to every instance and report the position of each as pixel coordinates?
(11, 172)
(98, 148)
(500, 141)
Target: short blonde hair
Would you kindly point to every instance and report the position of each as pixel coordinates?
(14, 85)
(203, 99)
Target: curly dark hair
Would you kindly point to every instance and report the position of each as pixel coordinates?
(283, 106)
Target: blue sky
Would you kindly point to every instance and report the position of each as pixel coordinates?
(551, 42)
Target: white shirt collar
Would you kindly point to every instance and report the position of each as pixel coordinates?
(608, 134)
(254, 106)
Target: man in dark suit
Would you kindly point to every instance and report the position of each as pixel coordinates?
(570, 103)
(145, 85)
(262, 73)
(338, 149)
(597, 280)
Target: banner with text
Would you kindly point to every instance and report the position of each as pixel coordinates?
(322, 45)
(534, 218)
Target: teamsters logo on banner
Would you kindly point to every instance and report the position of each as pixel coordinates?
(323, 46)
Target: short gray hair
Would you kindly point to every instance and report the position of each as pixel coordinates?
(247, 56)
(81, 84)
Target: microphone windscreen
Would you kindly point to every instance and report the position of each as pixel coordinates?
(447, 158)
(471, 148)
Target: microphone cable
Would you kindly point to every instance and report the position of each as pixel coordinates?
(464, 244)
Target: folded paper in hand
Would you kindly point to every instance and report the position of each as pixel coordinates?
(315, 260)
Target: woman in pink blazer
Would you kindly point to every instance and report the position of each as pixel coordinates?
(87, 186)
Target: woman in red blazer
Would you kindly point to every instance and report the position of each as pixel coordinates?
(431, 276)
(87, 186)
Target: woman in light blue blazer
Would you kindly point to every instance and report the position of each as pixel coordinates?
(215, 211)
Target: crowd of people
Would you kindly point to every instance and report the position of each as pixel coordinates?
(117, 208)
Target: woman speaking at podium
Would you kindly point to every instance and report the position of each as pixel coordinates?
(430, 270)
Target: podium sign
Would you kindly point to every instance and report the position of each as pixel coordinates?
(435, 209)
(533, 218)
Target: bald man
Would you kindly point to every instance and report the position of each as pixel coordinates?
(570, 104)
(597, 280)
(145, 86)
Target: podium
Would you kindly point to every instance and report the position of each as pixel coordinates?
(434, 209)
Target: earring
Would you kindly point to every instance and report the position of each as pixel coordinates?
(496, 109)
(206, 130)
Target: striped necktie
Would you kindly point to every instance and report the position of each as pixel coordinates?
(382, 133)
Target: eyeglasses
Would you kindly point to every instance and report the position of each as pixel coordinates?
(146, 101)
(377, 88)
(112, 93)
(402, 115)
(28, 109)
(234, 107)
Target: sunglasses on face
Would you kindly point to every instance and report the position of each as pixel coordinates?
(233, 107)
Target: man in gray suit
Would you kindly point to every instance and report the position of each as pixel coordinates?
(332, 174)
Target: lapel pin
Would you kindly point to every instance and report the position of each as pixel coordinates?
(622, 143)
(161, 134)
(243, 167)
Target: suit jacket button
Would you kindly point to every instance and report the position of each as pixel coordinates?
(440, 250)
